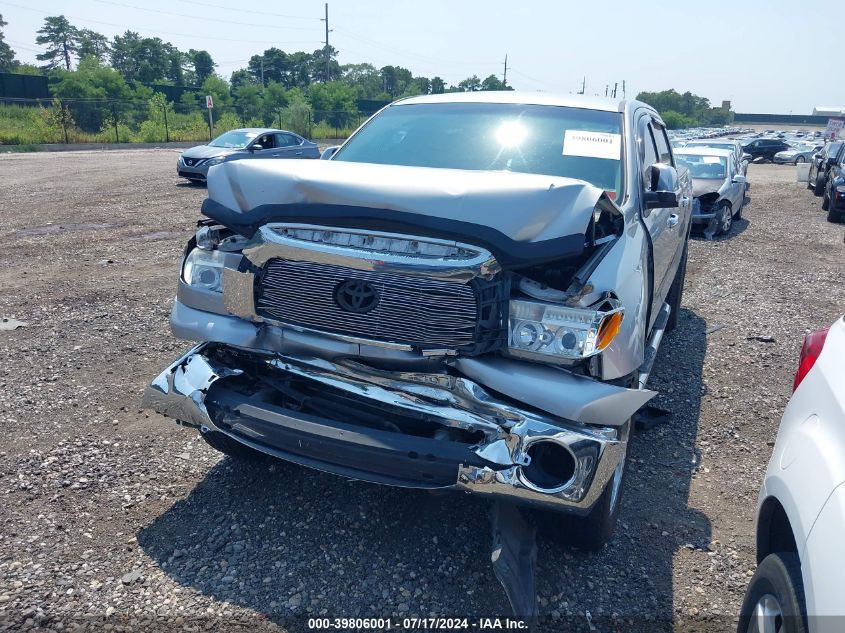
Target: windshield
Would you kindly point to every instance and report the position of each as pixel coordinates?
(549, 140)
(236, 139)
(704, 167)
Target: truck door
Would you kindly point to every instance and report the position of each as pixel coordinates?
(665, 225)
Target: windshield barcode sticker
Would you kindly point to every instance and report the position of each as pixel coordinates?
(592, 144)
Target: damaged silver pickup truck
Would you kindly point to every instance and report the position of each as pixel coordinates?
(467, 294)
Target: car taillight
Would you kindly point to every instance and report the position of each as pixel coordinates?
(813, 344)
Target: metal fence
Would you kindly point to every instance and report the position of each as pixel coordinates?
(38, 121)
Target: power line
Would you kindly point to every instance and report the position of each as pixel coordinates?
(153, 30)
(199, 17)
(239, 10)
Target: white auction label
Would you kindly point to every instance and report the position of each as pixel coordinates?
(592, 144)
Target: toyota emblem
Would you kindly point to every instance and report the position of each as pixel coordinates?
(356, 296)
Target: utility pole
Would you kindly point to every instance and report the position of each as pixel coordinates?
(606, 89)
(615, 85)
(328, 56)
(623, 88)
(505, 75)
(583, 85)
(262, 73)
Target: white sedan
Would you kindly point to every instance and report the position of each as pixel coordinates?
(799, 584)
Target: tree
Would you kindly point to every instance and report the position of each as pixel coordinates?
(61, 39)
(240, 77)
(7, 55)
(147, 59)
(318, 65)
(89, 89)
(438, 86)
(248, 101)
(333, 101)
(695, 110)
(470, 84)
(492, 82)
(364, 78)
(395, 80)
(219, 90)
(203, 65)
(93, 44)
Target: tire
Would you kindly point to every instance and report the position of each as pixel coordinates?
(818, 187)
(726, 220)
(676, 291)
(226, 445)
(810, 183)
(593, 531)
(826, 202)
(776, 587)
(799, 160)
(833, 216)
(738, 212)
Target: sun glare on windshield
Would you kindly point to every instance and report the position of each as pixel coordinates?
(511, 134)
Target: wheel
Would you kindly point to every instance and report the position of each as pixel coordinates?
(226, 445)
(800, 159)
(726, 219)
(833, 216)
(593, 531)
(775, 598)
(825, 201)
(810, 183)
(818, 188)
(676, 292)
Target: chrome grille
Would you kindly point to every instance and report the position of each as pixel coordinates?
(411, 310)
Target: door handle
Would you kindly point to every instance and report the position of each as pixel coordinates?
(299, 153)
(672, 222)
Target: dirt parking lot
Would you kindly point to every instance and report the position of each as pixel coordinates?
(114, 517)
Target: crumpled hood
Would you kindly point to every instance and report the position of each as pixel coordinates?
(700, 186)
(207, 151)
(524, 208)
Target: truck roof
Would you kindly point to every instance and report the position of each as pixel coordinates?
(531, 98)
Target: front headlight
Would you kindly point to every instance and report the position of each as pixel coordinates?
(204, 269)
(549, 330)
(215, 161)
(840, 188)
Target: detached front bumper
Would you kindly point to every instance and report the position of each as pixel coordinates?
(473, 442)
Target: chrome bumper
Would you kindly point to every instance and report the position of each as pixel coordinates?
(497, 464)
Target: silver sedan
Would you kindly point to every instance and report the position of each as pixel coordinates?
(798, 154)
(194, 163)
(719, 187)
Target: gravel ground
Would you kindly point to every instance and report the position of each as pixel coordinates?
(115, 519)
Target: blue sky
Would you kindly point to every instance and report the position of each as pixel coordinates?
(765, 56)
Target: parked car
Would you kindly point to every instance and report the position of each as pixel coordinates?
(834, 193)
(408, 312)
(797, 154)
(740, 157)
(822, 162)
(718, 185)
(195, 162)
(801, 510)
(765, 148)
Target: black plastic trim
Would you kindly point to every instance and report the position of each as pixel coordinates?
(510, 253)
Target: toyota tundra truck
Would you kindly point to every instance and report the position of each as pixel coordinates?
(468, 294)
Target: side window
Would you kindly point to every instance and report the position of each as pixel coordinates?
(663, 151)
(648, 152)
(286, 140)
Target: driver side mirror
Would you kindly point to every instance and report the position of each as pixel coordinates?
(329, 152)
(663, 185)
(739, 179)
(256, 147)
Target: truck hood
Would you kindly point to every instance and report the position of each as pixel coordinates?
(523, 209)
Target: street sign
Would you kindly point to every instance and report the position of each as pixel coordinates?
(834, 128)
(209, 102)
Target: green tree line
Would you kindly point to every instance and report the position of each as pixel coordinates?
(275, 87)
(685, 110)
